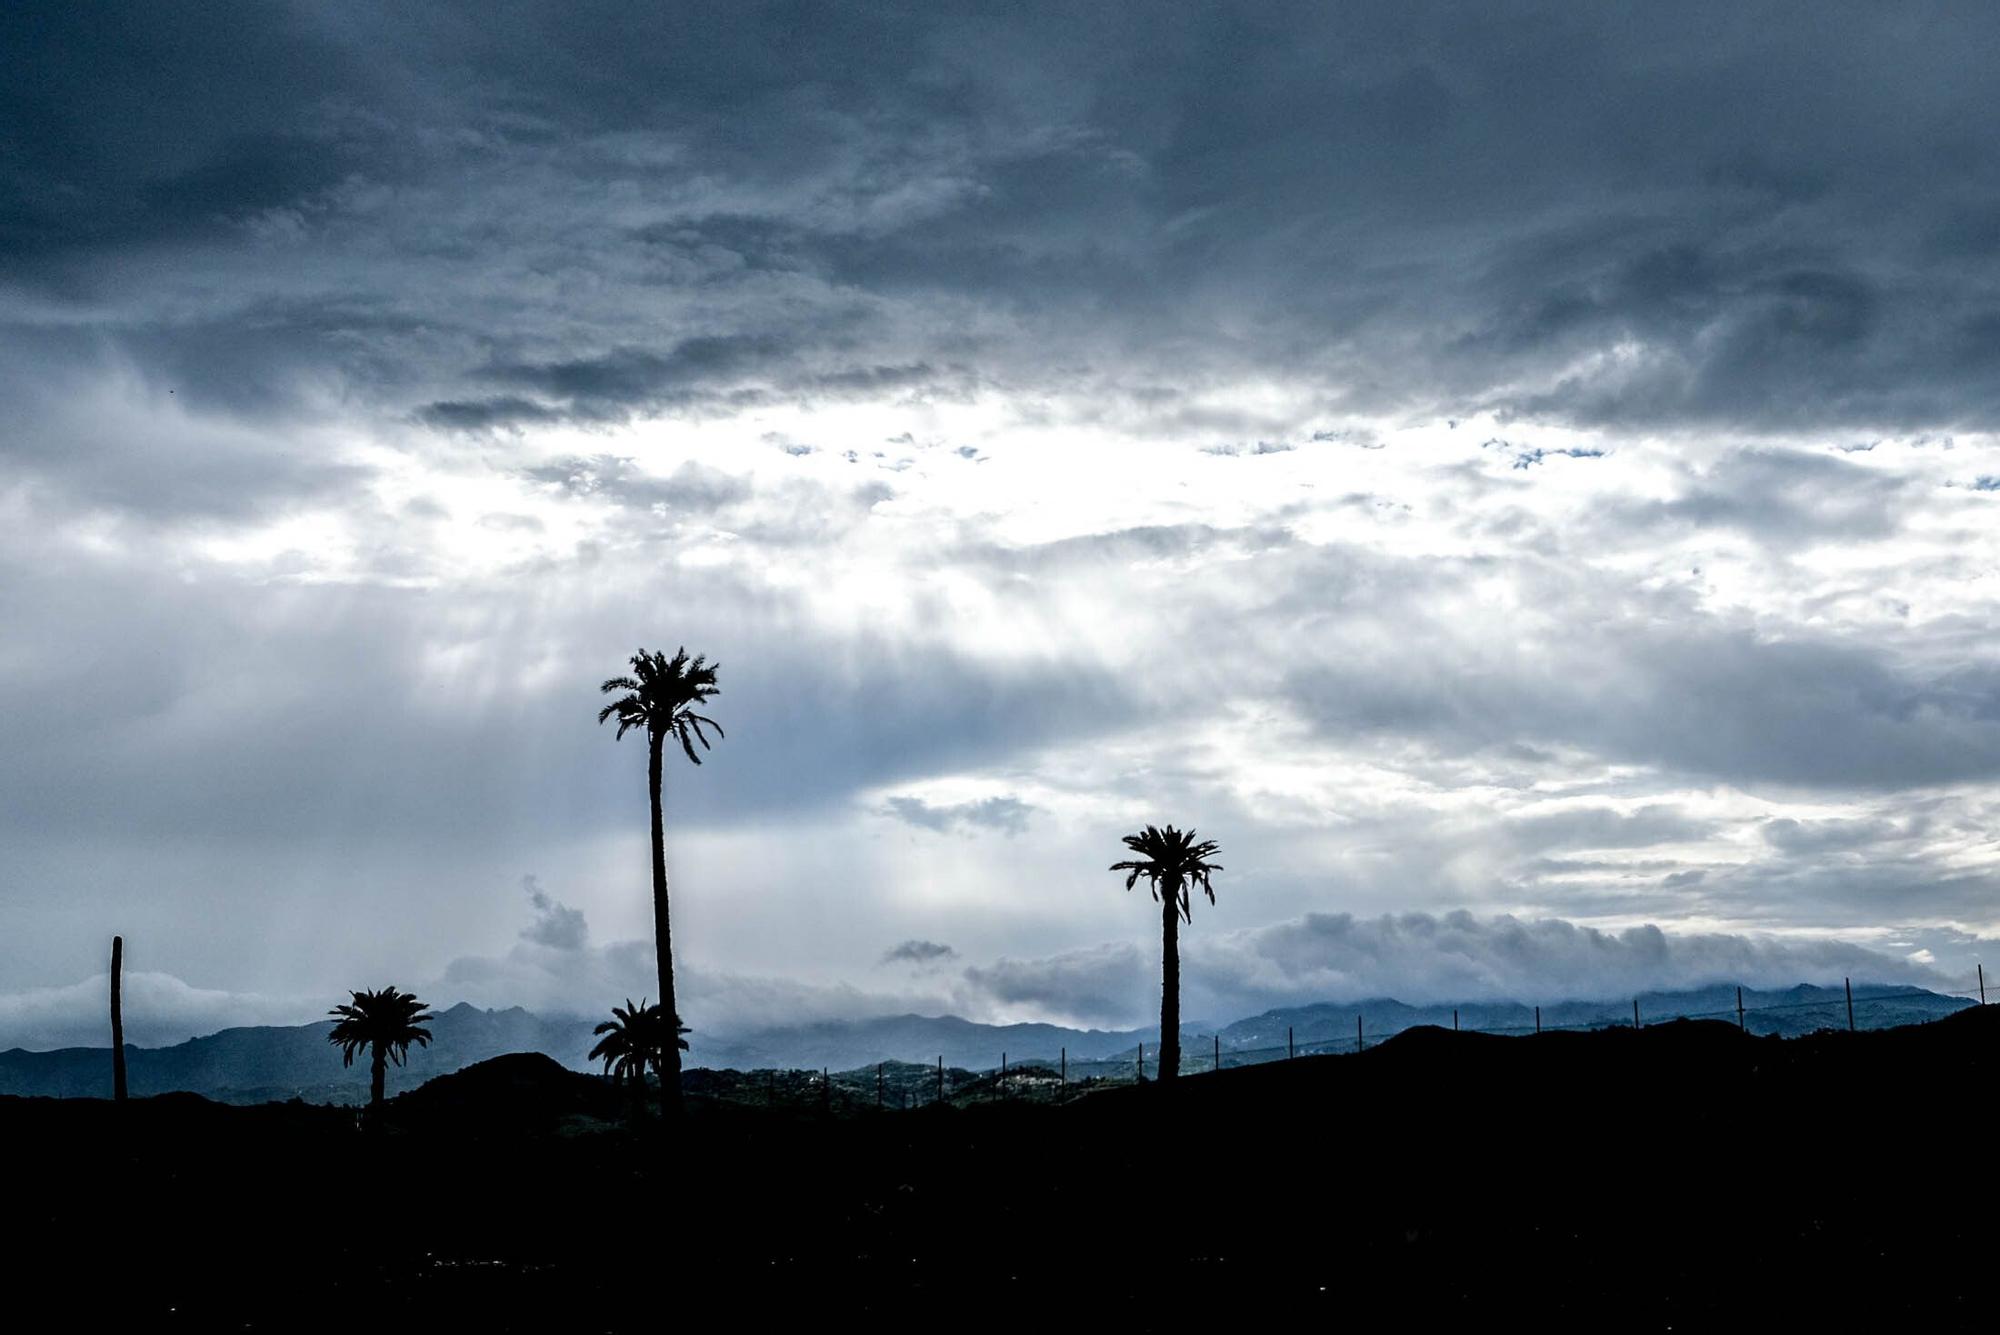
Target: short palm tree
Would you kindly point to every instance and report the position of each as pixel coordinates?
(386, 1022)
(660, 697)
(634, 1041)
(1174, 863)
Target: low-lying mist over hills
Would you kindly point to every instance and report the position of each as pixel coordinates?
(278, 1062)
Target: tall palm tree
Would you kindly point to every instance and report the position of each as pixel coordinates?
(387, 1022)
(1173, 863)
(633, 1041)
(660, 696)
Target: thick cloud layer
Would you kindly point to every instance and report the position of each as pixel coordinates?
(1533, 459)
(1765, 220)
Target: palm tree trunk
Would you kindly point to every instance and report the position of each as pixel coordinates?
(117, 1019)
(1170, 985)
(378, 1072)
(663, 940)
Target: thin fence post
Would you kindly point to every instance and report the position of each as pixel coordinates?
(117, 1020)
(1739, 1011)
(1291, 1050)
(1142, 1061)
(1538, 1019)
(1454, 1019)
(1218, 1052)
(940, 1097)
(1849, 984)
(1635, 1013)
(1982, 984)
(1065, 1068)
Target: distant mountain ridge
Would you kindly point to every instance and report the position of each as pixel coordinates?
(263, 1063)
(1789, 1012)
(266, 1063)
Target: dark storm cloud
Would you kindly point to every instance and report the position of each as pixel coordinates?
(1008, 815)
(135, 126)
(920, 953)
(1698, 213)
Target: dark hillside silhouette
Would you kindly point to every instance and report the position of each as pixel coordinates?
(660, 697)
(1686, 1175)
(386, 1023)
(1173, 863)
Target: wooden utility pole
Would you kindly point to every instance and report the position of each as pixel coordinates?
(1849, 982)
(1142, 1061)
(1739, 1011)
(1291, 1051)
(1982, 984)
(117, 1019)
(1454, 1019)
(1635, 1012)
(1218, 1052)
(1538, 1019)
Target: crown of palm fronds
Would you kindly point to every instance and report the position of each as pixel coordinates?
(634, 1040)
(1171, 858)
(660, 696)
(387, 1020)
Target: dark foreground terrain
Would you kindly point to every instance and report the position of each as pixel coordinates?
(1684, 1176)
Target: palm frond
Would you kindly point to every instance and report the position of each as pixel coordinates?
(387, 1021)
(1172, 861)
(661, 694)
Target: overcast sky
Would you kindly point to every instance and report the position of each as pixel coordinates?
(1522, 477)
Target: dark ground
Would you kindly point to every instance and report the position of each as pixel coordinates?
(1680, 1177)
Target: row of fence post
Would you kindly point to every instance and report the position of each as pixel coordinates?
(1291, 1048)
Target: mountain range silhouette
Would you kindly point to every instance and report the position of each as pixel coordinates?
(265, 1063)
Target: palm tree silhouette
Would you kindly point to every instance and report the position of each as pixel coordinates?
(660, 697)
(1172, 862)
(388, 1022)
(633, 1041)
